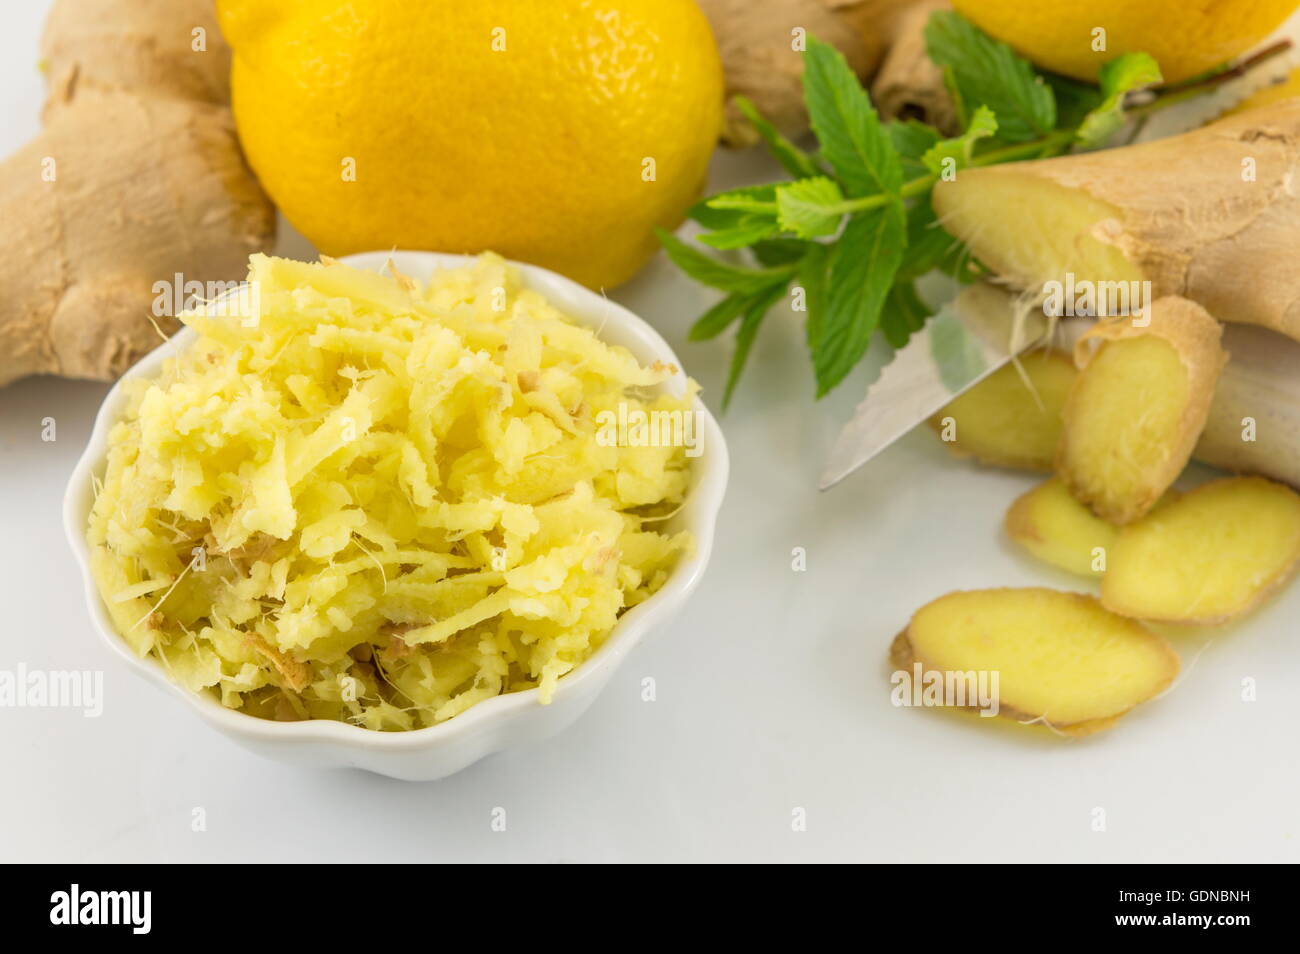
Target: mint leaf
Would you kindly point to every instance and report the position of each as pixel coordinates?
(903, 313)
(1119, 77)
(1074, 99)
(987, 72)
(930, 247)
(713, 218)
(779, 251)
(747, 230)
(847, 126)
(865, 260)
(953, 154)
(716, 274)
(741, 201)
(808, 207)
(755, 311)
(714, 321)
(812, 279)
(912, 140)
(793, 159)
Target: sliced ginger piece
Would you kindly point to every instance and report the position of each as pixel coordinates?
(1007, 423)
(1057, 529)
(1138, 406)
(1061, 659)
(1207, 557)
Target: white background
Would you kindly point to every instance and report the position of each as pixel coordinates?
(772, 685)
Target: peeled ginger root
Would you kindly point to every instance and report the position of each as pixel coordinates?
(1005, 422)
(1207, 557)
(1057, 529)
(1060, 658)
(1138, 406)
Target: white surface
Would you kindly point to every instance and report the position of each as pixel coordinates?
(772, 692)
(503, 722)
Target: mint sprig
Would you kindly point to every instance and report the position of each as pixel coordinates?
(854, 228)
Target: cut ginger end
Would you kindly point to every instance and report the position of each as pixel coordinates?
(1005, 422)
(1057, 529)
(1131, 422)
(1060, 658)
(1031, 230)
(1211, 555)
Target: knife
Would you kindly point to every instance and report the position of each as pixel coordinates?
(965, 342)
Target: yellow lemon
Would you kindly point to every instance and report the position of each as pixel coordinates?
(558, 133)
(1076, 38)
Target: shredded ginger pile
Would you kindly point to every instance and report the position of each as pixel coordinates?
(380, 502)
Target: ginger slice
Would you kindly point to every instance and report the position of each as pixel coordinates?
(1057, 529)
(1207, 557)
(1005, 422)
(1138, 406)
(1061, 659)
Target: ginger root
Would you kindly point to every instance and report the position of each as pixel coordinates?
(761, 50)
(1207, 557)
(1138, 406)
(1010, 420)
(1253, 425)
(1212, 215)
(1061, 659)
(137, 177)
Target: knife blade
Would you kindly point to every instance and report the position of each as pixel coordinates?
(966, 341)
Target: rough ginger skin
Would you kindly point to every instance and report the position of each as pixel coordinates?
(755, 42)
(136, 177)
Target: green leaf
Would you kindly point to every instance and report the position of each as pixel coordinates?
(953, 154)
(989, 73)
(808, 207)
(904, 312)
(1119, 77)
(779, 251)
(747, 230)
(866, 258)
(812, 279)
(716, 219)
(1074, 99)
(716, 274)
(740, 202)
(847, 126)
(714, 321)
(793, 159)
(755, 311)
(912, 140)
(930, 246)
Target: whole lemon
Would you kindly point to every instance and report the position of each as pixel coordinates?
(559, 133)
(1185, 38)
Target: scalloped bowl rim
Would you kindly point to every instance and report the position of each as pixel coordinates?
(699, 516)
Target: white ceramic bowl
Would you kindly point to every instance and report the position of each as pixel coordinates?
(494, 724)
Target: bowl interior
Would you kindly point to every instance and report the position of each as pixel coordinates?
(615, 325)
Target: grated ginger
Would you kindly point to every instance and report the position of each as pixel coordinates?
(382, 502)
